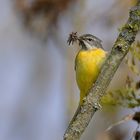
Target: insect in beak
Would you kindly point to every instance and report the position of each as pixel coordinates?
(73, 38)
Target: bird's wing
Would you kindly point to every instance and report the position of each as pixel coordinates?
(75, 63)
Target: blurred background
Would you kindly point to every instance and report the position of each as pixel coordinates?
(38, 90)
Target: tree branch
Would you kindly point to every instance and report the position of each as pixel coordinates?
(91, 103)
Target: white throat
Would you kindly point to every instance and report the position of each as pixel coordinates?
(88, 46)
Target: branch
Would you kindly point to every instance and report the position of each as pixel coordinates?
(91, 103)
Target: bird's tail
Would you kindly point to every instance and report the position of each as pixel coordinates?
(82, 95)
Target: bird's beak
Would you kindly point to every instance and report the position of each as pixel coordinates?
(81, 41)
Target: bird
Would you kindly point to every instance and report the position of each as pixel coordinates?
(88, 61)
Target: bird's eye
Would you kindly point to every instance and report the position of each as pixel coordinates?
(89, 39)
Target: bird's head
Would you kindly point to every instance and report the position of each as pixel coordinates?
(86, 41)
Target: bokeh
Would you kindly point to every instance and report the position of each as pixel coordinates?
(38, 91)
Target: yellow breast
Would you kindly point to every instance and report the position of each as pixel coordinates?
(88, 64)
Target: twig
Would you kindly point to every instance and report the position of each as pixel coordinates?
(126, 118)
(118, 52)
